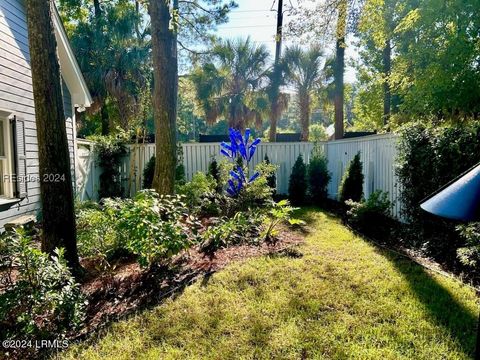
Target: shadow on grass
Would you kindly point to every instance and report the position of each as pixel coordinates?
(441, 306)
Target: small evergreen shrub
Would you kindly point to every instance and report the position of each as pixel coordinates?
(351, 186)
(318, 178)
(148, 173)
(297, 186)
(271, 179)
(180, 178)
(372, 216)
(214, 172)
(40, 298)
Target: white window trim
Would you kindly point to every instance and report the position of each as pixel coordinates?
(8, 170)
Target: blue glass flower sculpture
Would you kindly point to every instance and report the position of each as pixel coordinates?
(239, 147)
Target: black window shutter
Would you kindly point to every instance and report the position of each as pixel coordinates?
(20, 157)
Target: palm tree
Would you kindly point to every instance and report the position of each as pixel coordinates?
(304, 74)
(229, 86)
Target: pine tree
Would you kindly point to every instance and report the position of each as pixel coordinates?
(297, 186)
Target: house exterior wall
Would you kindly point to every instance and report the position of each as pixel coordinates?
(16, 96)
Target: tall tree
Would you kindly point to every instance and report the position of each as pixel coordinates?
(329, 21)
(304, 73)
(110, 40)
(230, 84)
(276, 77)
(339, 68)
(165, 75)
(54, 160)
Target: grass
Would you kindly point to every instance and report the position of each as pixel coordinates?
(343, 299)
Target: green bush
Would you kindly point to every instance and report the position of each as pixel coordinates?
(202, 186)
(148, 173)
(255, 195)
(318, 178)
(180, 178)
(271, 179)
(40, 298)
(151, 226)
(97, 233)
(242, 228)
(214, 172)
(297, 186)
(469, 255)
(351, 186)
(372, 216)
(429, 157)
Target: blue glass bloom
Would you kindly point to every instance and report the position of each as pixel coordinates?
(239, 146)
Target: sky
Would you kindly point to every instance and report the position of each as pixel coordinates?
(258, 19)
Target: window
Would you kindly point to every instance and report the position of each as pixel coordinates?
(6, 157)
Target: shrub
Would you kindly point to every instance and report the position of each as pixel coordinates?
(318, 178)
(180, 174)
(469, 255)
(148, 173)
(151, 226)
(351, 186)
(297, 186)
(317, 133)
(271, 179)
(371, 216)
(42, 300)
(429, 157)
(97, 233)
(214, 172)
(194, 191)
(242, 228)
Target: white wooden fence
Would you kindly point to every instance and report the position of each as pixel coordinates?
(377, 153)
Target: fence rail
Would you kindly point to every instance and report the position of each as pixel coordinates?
(378, 153)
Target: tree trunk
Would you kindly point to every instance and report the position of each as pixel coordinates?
(340, 69)
(387, 96)
(274, 107)
(165, 75)
(55, 176)
(304, 105)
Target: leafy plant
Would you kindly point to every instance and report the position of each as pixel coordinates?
(280, 212)
(97, 233)
(151, 226)
(42, 300)
(469, 255)
(351, 186)
(196, 190)
(242, 228)
(297, 186)
(318, 178)
(371, 216)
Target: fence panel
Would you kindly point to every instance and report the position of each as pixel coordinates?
(377, 154)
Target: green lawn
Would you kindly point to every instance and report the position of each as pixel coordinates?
(342, 299)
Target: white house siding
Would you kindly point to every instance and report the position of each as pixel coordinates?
(16, 95)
